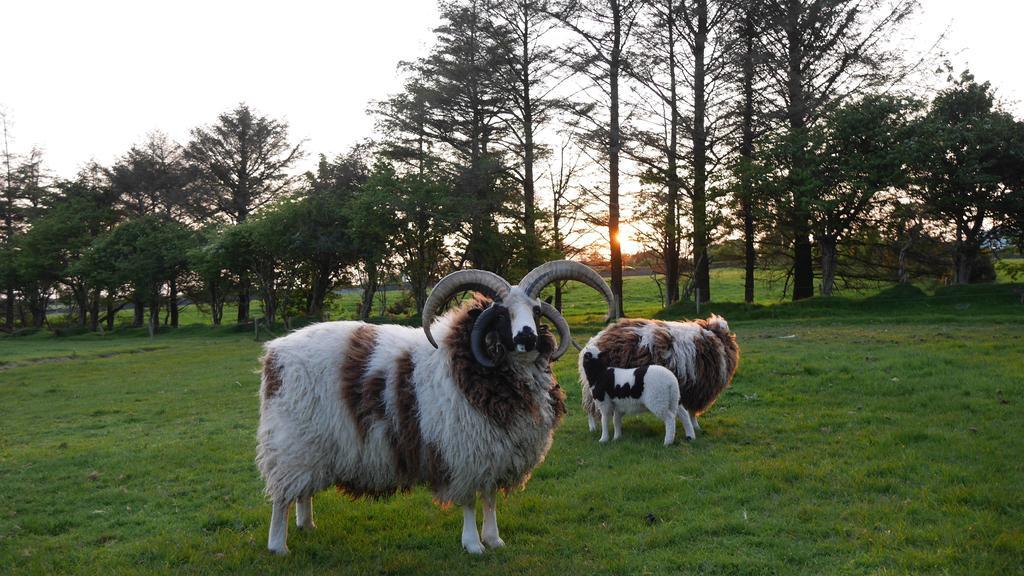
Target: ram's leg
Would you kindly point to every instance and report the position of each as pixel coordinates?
(277, 541)
(470, 536)
(604, 423)
(688, 422)
(693, 420)
(490, 531)
(670, 429)
(304, 513)
(618, 425)
(591, 422)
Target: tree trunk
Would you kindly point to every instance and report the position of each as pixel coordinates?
(369, 290)
(94, 317)
(172, 301)
(110, 313)
(672, 210)
(216, 303)
(243, 299)
(614, 146)
(828, 265)
(154, 311)
(701, 264)
(82, 301)
(529, 213)
(962, 264)
(747, 156)
(9, 309)
(803, 254)
(139, 309)
(803, 265)
(318, 292)
(38, 304)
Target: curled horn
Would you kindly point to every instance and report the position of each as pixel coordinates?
(491, 285)
(476, 338)
(550, 272)
(564, 337)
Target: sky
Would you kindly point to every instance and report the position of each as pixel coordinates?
(84, 80)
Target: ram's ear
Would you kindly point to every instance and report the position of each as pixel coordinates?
(550, 299)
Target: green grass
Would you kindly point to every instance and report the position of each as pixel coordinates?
(878, 433)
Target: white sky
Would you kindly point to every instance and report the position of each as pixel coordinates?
(86, 80)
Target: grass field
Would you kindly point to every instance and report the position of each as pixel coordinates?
(878, 433)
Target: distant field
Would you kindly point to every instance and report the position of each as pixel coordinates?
(875, 433)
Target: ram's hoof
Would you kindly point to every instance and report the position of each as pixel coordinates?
(494, 542)
(473, 547)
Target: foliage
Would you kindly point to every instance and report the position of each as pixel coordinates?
(965, 151)
(242, 162)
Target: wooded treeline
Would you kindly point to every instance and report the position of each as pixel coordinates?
(776, 133)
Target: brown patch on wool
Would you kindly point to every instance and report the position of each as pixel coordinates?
(406, 438)
(546, 345)
(371, 404)
(357, 491)
(272, 380)
(621, 343)
(556, 399)
(438, 475)
(496, 392)
(701, 394)
(360, 347)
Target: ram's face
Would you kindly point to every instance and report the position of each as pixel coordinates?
(517, 325)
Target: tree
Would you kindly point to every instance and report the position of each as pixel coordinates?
(425, 215)
(819, 53)
(603, 30)
(656, 64)
(526, 80)
(457, 118)
(154, 179)
(21, 191)
(324, 233)
(60, 233)
(747, 78)
(242, 163)
(861, 151)
(143, 254)
(373, 223)
(963, 146)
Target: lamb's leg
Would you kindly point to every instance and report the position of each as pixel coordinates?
(277, 542)
(304, 513)
(490, 531)
(618, 425)
(604, 424)
(470, 536)
(687, 421)
(670, 429)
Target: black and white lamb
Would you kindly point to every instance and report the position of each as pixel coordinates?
(618, 391)
(702, 354)
(375, 410)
